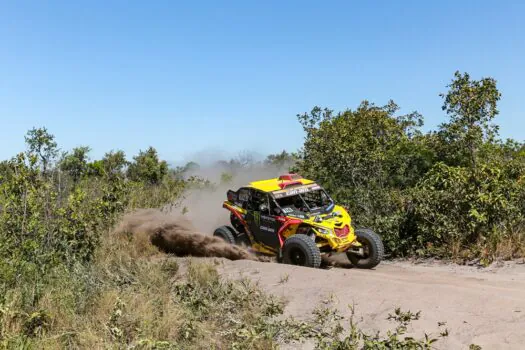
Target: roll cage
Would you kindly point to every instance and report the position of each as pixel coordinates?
(309, 199)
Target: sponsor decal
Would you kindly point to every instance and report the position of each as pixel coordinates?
(296, 190)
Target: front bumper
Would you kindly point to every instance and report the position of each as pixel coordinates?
(337, 244)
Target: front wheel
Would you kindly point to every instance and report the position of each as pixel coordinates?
(301, 250)
(371, 253)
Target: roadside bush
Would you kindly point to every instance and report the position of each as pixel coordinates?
(54, 213)
(456, 192)
(459, 210)
(366, 158)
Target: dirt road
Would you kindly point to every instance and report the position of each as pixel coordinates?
(481, 306)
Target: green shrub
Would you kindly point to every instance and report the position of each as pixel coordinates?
(460, 208)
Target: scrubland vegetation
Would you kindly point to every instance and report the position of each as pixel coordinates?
(67, 280)
(456, 192)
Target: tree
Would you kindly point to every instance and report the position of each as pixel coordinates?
(243, 160)
(365, 158)
(281, 160)
(471, 106)
(114, 162)
(42, 144)
(362, 147)
(76, 162)
(111, 165)
(6, 171)
(147, 167)
(191, 167)
(182, 172)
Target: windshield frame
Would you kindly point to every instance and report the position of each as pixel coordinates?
(301, 196)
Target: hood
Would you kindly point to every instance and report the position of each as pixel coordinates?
(332, 218)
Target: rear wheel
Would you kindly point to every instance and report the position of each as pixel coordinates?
(226, 233)
(370, 254)
(301, 250)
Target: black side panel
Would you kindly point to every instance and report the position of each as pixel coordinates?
(264, 228)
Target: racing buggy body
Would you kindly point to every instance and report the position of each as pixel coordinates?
(296, 220)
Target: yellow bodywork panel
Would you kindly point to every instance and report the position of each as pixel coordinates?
(326, 229)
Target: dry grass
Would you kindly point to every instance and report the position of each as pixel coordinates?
(511, 247)
(133, 296)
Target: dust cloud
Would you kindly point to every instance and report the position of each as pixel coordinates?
(188, 228)
(203, 207)
(177, 236)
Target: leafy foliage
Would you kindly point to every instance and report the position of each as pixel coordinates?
(366, 158)
(111, 165)
(128, 301)
(455, 207)
(455, 192)
(42, 144)
(471, 105)
(76, 163)
(330, 334)
(147, 167)
(281, 160)
(55, 216)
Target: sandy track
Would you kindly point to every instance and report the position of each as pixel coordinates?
(485, 307)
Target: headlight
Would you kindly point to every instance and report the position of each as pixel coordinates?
(323, 231)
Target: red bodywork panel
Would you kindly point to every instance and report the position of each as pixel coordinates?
(342, 232)
(238, 215)
(290, 183)
(287, 223)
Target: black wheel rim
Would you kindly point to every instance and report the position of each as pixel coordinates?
(297, 257)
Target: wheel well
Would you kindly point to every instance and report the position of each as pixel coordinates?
(303, 229)
(236, 223)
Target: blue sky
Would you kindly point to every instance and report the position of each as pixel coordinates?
(215, 78)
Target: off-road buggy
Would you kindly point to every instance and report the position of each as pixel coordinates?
(296, 220)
